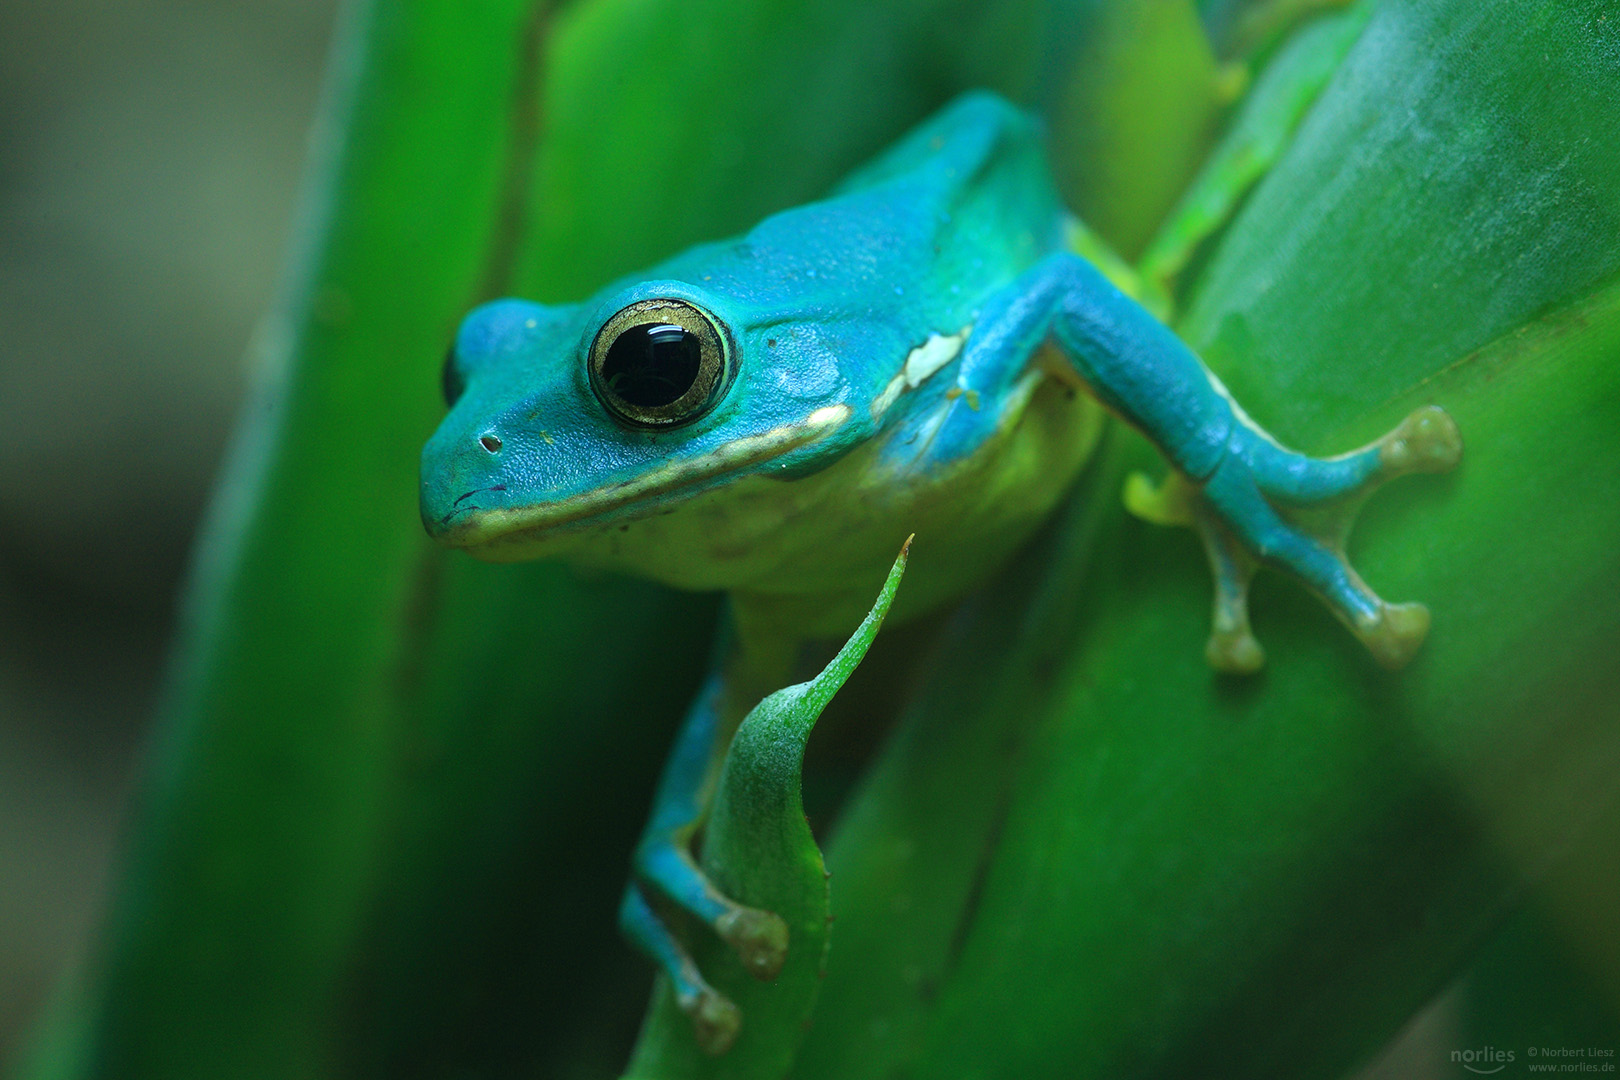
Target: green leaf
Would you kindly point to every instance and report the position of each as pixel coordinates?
(757, 849)
(364, 737)
(1087, 856)
(1430, 203)
(248, 874)
(1256, 138)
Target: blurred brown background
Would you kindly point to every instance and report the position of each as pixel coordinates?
(149, 155)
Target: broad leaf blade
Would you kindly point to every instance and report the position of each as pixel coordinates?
(1174, 874)
(253, 855)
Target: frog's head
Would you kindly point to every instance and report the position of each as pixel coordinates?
(564, 419)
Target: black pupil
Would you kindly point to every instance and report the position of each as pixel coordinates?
(450, 380)
(653, 365)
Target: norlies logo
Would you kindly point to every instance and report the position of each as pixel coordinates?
(1485, 1061)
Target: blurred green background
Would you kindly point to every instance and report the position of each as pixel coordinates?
(150, 152)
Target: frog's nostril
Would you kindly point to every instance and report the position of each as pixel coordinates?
(490, 443)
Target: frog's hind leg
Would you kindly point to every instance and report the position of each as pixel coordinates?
(1295, 512)
(1253, 500)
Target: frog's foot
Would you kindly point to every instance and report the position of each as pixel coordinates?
(1265, 504)
(715, 1018)
(759, 938)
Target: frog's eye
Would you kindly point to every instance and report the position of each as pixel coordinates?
(451, 381)
(660, 363)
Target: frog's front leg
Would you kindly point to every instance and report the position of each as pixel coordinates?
(665, 875)
(1234, 482)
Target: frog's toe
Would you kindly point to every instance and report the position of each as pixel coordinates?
(1172, 501)
(664, 871)
(1427, 441)
(1231, 647)
(1394, 633)
(1234, 652)
(760, 939)
(715, 1019)
(1312, 551)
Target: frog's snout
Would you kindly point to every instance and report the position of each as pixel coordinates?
(461, 476)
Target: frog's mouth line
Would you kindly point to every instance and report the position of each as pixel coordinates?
(494, 526)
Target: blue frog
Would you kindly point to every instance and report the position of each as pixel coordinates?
(923, 351)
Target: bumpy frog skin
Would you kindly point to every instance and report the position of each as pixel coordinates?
(773, 415)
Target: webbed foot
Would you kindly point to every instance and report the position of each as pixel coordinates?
(1264, 504)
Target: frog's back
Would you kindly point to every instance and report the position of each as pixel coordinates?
(953, 211)
(973, 133)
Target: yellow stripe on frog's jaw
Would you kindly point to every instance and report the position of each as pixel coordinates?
(492, 526)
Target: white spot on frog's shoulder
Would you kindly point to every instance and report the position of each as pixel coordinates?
(890, 394)
(931, 355)
(921, 362)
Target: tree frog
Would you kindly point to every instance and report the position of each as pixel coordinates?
(773, 414)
